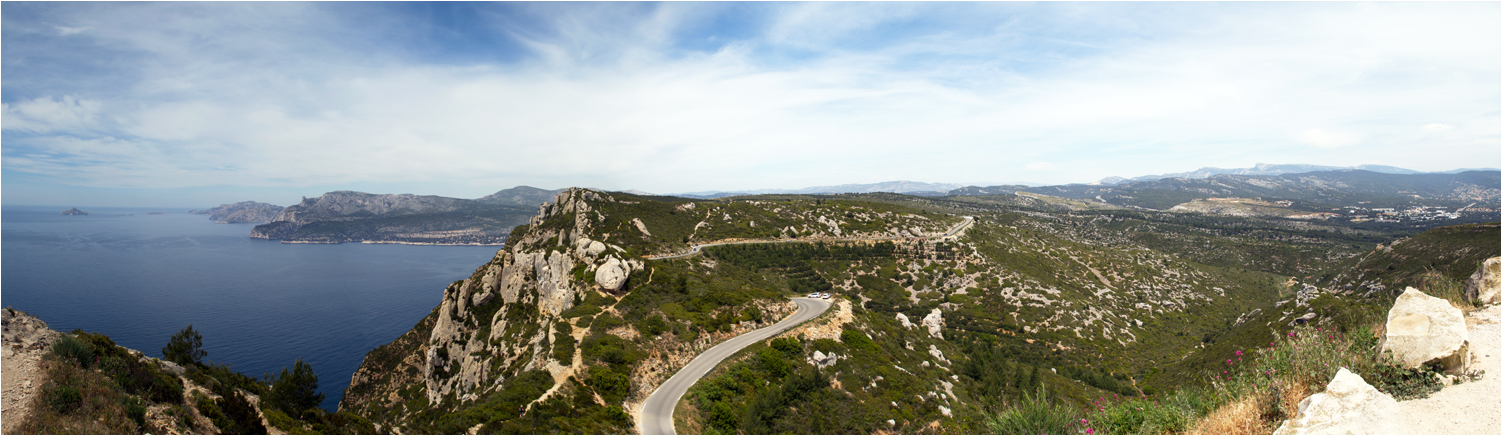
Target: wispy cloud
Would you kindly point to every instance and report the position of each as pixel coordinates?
(680, 97)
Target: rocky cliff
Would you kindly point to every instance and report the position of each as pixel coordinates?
(496, 324)
(244, 212)
(349, 216)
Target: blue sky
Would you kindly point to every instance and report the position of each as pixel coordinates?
(196, 104)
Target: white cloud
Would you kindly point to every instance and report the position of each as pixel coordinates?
(616, 106)
(1438, 127)
(63, 30)
(47, 114)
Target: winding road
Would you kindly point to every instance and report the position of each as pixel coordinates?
(657, 411)
(694, 250)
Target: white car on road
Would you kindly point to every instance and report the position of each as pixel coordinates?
(825, 296)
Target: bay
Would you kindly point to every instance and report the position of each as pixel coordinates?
(140, 277)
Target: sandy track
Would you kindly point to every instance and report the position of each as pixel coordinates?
(1472, 407)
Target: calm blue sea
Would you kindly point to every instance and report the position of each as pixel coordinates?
(259, 304)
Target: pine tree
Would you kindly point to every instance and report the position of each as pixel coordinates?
(296, 392)
(185, 347)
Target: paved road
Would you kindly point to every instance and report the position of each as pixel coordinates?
(657, 411)
(695, 249)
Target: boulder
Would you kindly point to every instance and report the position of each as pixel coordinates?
(1348, 406)
(1484, 284)
(1423, 329)
(611, 275)
(822, 360)
(903, 318)
(935, 321)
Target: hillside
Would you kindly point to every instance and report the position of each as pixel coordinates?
(1008, 291)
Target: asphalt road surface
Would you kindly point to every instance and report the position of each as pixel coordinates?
(657, 411)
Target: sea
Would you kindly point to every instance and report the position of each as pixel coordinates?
(139, 275)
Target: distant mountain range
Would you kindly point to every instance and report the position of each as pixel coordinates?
(904, 187)
(1326, 188)
(1271, 169)
(943, 189)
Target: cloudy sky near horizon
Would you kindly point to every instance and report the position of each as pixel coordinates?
(205, 103)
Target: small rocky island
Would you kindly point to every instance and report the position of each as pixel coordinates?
(74, 211)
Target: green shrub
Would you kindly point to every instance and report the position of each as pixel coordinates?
(612, 386)
(72, 349)
(856, 340)
(584, 321)
(1035, 415)
(652, 326)
(563, 343)
(134, 410)
(62, 398)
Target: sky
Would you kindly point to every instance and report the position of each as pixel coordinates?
(198, 104)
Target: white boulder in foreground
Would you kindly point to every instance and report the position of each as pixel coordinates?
(1422, 329)
(1348, 406)
(1484, 285)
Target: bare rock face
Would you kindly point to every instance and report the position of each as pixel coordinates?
(1422, 329)
(1348, 406)
(611, 275)
(1484, 285)
(822, 360)
(935, 321)
(903, 318)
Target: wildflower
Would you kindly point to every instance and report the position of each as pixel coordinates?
(1085, 422)
(1239, 353)
(1090, 431)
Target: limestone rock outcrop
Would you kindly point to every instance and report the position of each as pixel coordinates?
(822, 360)
(465, 348)
(936, 322)
(1348, 406)
(1484, 285)
(1422, 329)
(74, 211)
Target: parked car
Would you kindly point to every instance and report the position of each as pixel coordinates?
(825, 296)
(813, 296)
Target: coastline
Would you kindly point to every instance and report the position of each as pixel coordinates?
(409, 243)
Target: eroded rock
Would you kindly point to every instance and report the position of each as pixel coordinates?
(1422, 329)
(936, 322)
(1484, 284)
(1348, 406)
(611, 275)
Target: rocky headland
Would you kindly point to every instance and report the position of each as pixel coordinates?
(349, 216)
(74, 211)
(244, 212)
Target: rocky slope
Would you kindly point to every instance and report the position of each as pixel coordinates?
(244, 212)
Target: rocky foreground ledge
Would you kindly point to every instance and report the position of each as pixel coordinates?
(1420, 331)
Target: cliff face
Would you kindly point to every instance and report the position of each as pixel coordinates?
(495, 324)
(243, 212)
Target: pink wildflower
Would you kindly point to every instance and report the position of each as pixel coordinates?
(1239, 353)
(1090, 431)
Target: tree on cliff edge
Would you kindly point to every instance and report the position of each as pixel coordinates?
(296, 392)
(185, 347)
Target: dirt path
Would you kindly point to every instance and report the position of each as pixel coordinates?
(22, 342)
(1472, 407)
